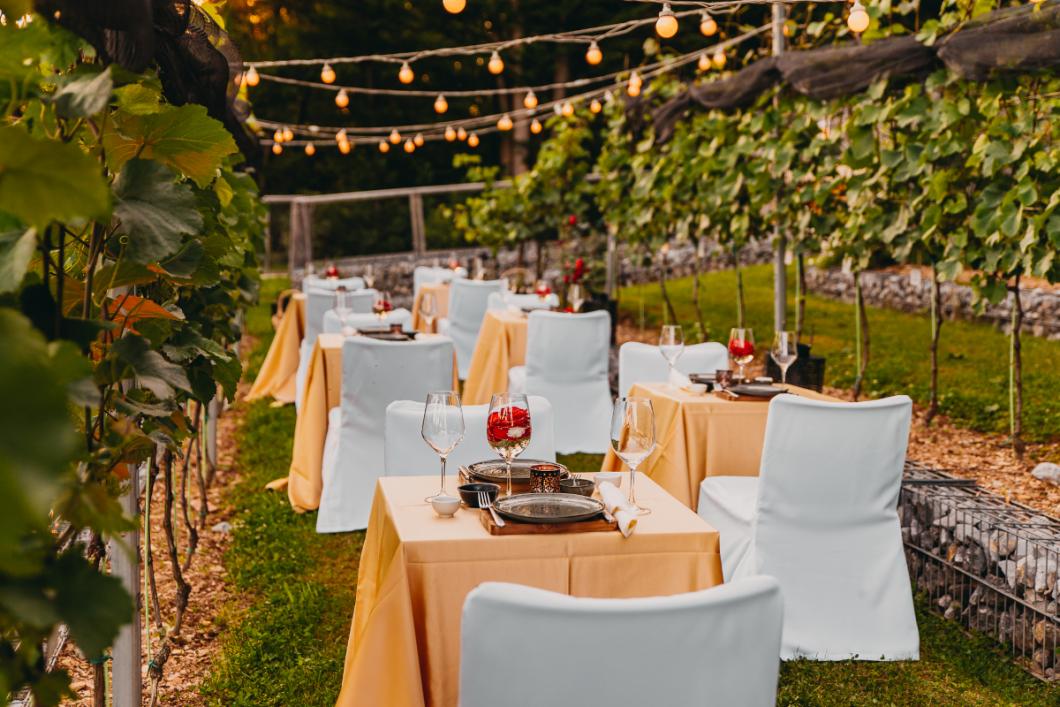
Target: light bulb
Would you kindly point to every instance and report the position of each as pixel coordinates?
(719, 60)
(496, 64)
(342, 99)
(384, 146)
(410, 146)
(454, 6)
(666, 25)
(327, 74)
(789, 28)
(278, 135)
(310, 149)
(345, 146)
(635, 79)
(418, 139)
(505, 123)
(395, 136)
(633, 90)
(252, 77)
(288, 134)
(704, 62)
(472, 140)
(440, 104)
(535, 126)
(593, 55)
(340, 136)
(277, 148)
(707, 25)
(595, 106)
(568, 109)
(450, 134)
(405, 75)
(858, 19)
(530, 102)
(461, 134)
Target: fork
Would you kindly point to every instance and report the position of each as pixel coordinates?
(484, 502)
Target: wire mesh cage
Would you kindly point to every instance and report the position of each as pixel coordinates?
(987, 563)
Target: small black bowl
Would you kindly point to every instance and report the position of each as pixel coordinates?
(469, 492)
(582, 487)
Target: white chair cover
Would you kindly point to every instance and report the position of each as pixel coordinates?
(408, 455)
(317, 302)
(322, 283)
(467, 306)
(529, 647)
(495, 302)
(642, 363)
(567, 357)
(401, 316)
(374, 374)
(504, 301)
(423, 274)
(822, 518)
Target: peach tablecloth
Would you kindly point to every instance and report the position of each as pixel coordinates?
(501, 344)
(700, 436)
(416, 570)
(276, 377)
(440, 290)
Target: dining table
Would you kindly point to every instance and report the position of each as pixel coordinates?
(416, 569)
(501, 344)
(702, 434)
(440, 292)
(276, 377)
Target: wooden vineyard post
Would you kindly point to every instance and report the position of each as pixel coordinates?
(125, 565)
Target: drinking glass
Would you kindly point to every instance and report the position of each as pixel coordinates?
(369, 276)
(633, 438)
(784, 352)
(443, 427)
(542, 289)
(671, 345)
(343, 311)
(742, 348)
(508, 429)
(427, 310)
(381, 305)
(576, 295)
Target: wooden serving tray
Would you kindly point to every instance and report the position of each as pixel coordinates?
(510, 527)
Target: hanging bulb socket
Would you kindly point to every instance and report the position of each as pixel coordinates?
(384, 146)
(405, 74)
(595, 106)
(410, 146)
(288, 134)
(568, 109)
(708, 26)
(418, 140)
(593, 55)
(310, 149)
(440, 104)
(252, 77)
(327, 74)
(666, 25)
(345, 146)
(496, 64)
(277, 148)
(454, 7)
(461, 134)
(340, 136)
(530, 101)
(278, 135)
(858, 19)
(719, 60)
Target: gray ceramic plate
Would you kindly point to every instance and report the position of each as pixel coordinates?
(548, 507)
(757, 390)
(493, 471)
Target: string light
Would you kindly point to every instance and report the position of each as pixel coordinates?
(278, 135)
(418, 139)
(595, 106)
(472, 140)
(405, 74)
(384, 146)
(635, 83)
(858, 19)
(535, 126)
(666, 25)
(593, 55)
(395, 137)
(277, 148)
(252, 77)
(410, 146)
(496, 64)
(345, 147)
(288, 134)
(450, 134)
(342, 99)
(454, 7)
(719, 60)
(567, 110)
(461, 134)
(327, 74)
(440, 104)
(310, 149)
(530, 102)
(505, 123)
(704, 62)
(707, 25)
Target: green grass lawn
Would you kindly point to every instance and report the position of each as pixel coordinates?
(291, 595)
(973, 372)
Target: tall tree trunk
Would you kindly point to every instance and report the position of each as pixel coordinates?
(1016, 372)
(697, 266)
(739, 288)
(936, 331)
(666, 295)
(861, 333)
(800, 296)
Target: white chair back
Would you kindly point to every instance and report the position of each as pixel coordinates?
(531, 301)
(495, 302)
(319, 301)
(408, 455)
(826, 527)
(567, 360)
(467, 306)
(374, 374)
(423, 274)
(401, 316)
(642, 363)
(714, 647)
(311, 282)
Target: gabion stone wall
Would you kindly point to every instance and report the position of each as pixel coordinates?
(988, 564)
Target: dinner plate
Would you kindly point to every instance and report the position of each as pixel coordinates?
(493, 471)
(757, 390)
(387, 335)
(548, 507)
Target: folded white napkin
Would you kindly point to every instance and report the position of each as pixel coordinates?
(617, 505)
(679, 379)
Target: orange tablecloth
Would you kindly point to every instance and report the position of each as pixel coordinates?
(501, 344)
(416, 570)
(700, 436)
(276, 377)
(440, 290)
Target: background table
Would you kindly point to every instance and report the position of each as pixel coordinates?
(440, 290)
(416, 570)
(501, 344)
(699, 436)
(277, 374)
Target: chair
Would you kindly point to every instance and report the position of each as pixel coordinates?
(401, 316)
(374, 374)
(318, 301)
(503, 301)
(407, 455)
(642, 363)
(821, 517)
(526, 646)
(423, 274)
(315, 282)
(467, 306)
(567, 357)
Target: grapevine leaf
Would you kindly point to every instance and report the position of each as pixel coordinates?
(92, 604)
(154, 209)
(16, 251)
(149, 369)
(85, 95)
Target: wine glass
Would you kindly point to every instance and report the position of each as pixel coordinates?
(742, 348)
(542, 289)
(671, 345)
(427, 310)
(443, 427)
(576, 295)
(508, 429)
(784, 352)
(633, 437)
(369, 276)
(381, 305)
(342, 309)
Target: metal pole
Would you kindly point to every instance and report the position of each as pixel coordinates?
(780, 273)
(125, 565)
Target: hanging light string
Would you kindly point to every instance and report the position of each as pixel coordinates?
(324, 135)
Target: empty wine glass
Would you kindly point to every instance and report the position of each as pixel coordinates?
(508, 429)
(576, 295)
(671, 345)
(342, 310)
(633, 438)
(742, 348)
(443, 427)
(369, 276)
(381, 305)
(784, 352)
(427, 310)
